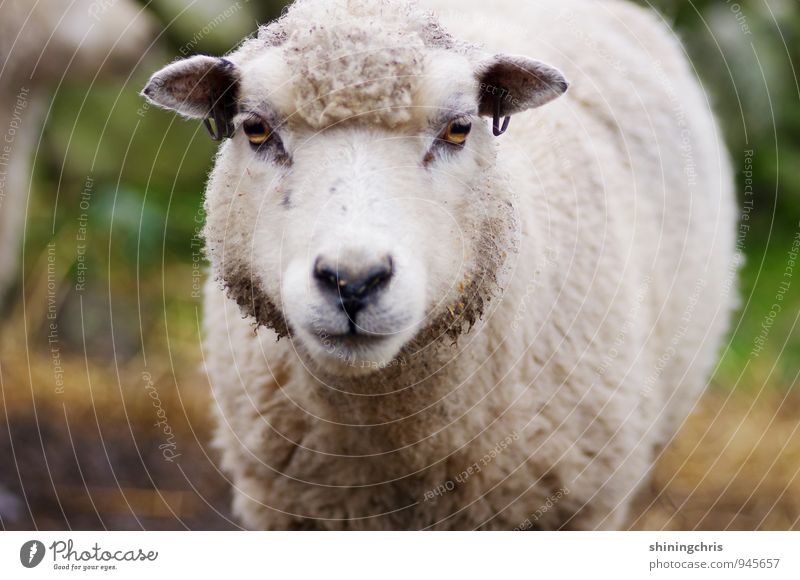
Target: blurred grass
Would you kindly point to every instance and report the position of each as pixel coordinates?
(747, 55)
(734, 466)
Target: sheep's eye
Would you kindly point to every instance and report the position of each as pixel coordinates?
(257, 131)
(457, 132)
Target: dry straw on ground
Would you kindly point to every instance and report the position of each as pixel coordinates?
(89, 458)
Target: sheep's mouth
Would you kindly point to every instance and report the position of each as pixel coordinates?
(354, 350)
(353, 341)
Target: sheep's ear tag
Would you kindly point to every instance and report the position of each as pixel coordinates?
(222, 127)
(511, 84)
(498, 129)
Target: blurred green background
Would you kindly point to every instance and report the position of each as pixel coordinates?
(148, 169)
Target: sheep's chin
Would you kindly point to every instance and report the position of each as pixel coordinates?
(351, 356)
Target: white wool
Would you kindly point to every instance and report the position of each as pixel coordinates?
(344, 72)
(364, 59)
(601, 267)
(353, 59)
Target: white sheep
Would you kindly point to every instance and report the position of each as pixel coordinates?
(478, 332)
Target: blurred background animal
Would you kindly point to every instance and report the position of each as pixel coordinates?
(41, 44)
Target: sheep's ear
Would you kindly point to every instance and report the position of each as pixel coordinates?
(511, 84)
(198, 87)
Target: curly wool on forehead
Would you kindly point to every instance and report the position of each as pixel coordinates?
(355, 58)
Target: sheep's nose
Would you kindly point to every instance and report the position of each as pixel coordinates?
(353, 286)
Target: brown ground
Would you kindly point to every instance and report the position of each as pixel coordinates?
(89, 458)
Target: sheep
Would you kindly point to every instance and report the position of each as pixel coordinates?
(424, 315)
(41, 43)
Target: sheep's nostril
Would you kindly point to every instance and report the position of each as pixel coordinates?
(375, 278)
(353, 286)
(327, 277)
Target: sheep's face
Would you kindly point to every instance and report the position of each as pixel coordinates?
(363, 232)
(370, 241)
(361, 225)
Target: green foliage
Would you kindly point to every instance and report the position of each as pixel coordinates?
(747, 54)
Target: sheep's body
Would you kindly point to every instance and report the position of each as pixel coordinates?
(551, 410)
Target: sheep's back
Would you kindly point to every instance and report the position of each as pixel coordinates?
(627, 182)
